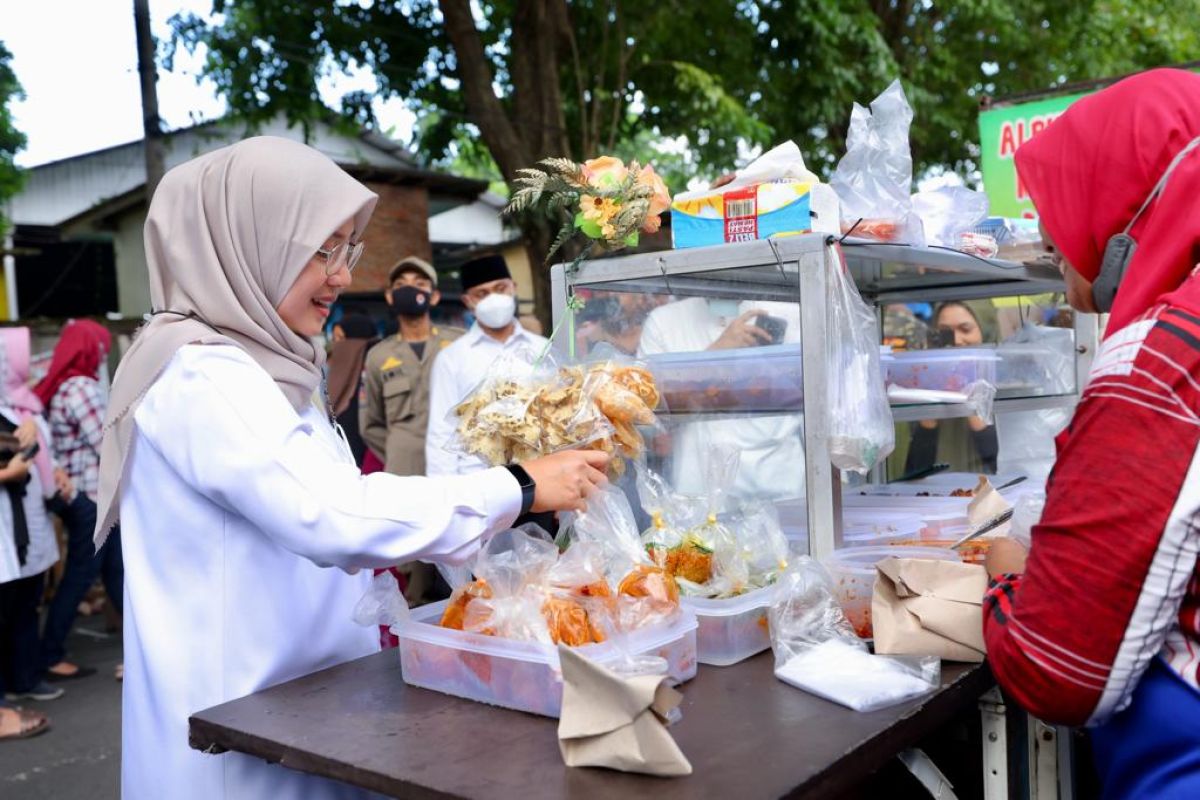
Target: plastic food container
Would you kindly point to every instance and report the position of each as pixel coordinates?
(521, 675)
(731, 629)
(1038, 369)
(865, 528)
(853, 573)
(972, 552)
(950, 369)
(764, 378)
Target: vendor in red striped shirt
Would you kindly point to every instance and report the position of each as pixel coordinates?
(1100, 624)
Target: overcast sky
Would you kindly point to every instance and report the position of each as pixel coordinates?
(77, 61)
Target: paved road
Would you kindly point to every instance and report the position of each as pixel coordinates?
(80, 757)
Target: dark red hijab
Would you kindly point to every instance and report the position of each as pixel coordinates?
(1092, 168)
(78, 353)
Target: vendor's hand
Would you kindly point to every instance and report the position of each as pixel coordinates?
(17, 470)
(26, 433)
(742, 332)
(62, 482)
(1004, 556)
(564, 480)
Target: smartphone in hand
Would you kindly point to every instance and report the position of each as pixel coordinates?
(29, 452)
(774, 326)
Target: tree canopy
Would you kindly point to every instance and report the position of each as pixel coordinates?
(11, 139)
(498, 84)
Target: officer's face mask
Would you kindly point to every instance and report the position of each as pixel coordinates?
(410, 301)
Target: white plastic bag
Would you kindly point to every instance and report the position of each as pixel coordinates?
(873, 180)
(816, 649)
(948, 212)
(862, 431)
(383, 603)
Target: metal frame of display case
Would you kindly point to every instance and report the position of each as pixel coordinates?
(791, 269)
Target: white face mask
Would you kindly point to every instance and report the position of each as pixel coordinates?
(496, 311)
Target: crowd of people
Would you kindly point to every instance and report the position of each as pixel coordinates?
(50, 438)
(283, 502)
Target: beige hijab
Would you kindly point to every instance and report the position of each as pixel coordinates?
(227, 235)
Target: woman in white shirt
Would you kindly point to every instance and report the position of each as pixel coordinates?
(247, 529)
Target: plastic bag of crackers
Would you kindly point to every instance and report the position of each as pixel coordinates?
(521, 411)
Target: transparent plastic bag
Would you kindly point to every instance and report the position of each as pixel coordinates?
(803, 612)
(948, 212)
(873, 180)
(608, 527)
(383, 603)
(510, 578)
(862, 432)
(763, 544)
(842, 673)
(817, 650)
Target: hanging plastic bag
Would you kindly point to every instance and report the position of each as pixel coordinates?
(874, 178)
(862, 431)
(383, 603)
(816, 649)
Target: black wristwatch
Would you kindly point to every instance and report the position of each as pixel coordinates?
(528, 487)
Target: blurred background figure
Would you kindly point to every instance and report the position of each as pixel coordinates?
(76, 403)
(353, 336)
(27, 545)
(966, 444)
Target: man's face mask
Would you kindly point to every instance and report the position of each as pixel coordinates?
(410, 301)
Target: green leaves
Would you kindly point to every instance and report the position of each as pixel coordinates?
(11, 139)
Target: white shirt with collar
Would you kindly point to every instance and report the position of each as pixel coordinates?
(248, 536)
(457, 371)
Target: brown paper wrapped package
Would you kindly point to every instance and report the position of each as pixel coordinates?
(929, 608)
(615, 722)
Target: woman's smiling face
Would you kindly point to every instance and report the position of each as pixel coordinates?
(305, 308)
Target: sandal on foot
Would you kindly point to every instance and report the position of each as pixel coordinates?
(29, 723)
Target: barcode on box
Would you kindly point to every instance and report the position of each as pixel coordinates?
(740, 208)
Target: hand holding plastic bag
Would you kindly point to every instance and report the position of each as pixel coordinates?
(862, 432)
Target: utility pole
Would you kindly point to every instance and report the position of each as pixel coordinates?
(148, 74)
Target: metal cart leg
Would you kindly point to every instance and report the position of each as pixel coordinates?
(1050, 762)
(995, 746)
(925, 771)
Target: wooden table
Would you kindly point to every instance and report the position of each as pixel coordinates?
(746, 734)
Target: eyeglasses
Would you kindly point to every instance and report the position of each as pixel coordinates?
(345, 255)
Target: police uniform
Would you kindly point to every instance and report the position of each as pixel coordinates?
(394, 414)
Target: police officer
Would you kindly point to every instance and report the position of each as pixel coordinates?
(395, 415)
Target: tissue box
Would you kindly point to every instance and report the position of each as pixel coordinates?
(758, 211)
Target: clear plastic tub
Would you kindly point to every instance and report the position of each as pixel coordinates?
(853, 573)
(731, 629)
(522, 675)
(1032, 368)
(767, 378)
(864, 527)
(950, 369)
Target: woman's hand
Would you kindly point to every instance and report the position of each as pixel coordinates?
(1005, 556)
(17, 470)
(26, 433)
(564, 480)
(62, 482)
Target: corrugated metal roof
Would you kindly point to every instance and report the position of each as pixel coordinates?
(62, 190)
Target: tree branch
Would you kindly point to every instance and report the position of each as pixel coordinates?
(476, 78)
(569, 31)
(618, 100)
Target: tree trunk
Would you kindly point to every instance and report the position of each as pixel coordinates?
(151, 124)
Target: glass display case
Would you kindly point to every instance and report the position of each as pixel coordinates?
(736, 336)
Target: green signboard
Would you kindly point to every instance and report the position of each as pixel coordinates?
(1001, 132)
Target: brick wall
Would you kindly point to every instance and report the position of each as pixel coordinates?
(399, 228)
